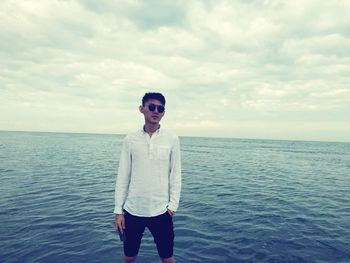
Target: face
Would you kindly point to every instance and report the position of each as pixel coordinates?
(152, 117)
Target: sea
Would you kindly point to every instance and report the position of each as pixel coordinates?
(242, 200)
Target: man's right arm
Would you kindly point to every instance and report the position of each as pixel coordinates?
(123, 177)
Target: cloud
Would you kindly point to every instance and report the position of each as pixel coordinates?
(332, 44)
(219, 63)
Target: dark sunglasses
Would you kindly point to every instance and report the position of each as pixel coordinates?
(152, 107)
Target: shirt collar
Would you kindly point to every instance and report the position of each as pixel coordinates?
(142, 130)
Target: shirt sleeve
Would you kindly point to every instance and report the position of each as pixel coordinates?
(123, 177)
(175, 177)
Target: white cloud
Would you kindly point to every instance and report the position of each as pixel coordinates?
(70, 65)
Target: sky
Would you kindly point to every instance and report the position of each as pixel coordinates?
(264, 69)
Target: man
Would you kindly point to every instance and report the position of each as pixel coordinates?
(148, 184)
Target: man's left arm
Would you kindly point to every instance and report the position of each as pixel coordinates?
(175, 177)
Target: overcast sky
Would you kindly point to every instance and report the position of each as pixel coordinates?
(243, 69)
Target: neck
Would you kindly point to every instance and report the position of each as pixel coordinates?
(150, 128)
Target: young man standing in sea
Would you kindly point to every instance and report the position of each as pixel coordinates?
(148, 184)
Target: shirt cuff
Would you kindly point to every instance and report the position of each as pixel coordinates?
(172, 207)
(118, 211)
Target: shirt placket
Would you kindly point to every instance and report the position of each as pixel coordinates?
(151, 147)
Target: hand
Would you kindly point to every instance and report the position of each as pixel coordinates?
(120, 222)
(171, 212)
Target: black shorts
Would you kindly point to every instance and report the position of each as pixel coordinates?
(161, 227)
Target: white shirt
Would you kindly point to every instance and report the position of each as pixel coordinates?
(149, 174)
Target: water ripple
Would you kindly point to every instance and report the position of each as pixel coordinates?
(242, 200)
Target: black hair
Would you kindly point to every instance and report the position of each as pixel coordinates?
(153, 96)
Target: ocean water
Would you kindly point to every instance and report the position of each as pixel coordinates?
(242, 200)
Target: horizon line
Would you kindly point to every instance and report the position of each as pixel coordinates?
(198, 136)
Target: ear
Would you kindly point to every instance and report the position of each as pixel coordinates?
(141, 108)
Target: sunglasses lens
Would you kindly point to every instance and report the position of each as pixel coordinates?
(160, 108)
(152, 107)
